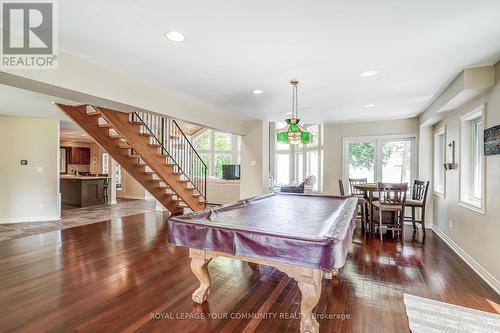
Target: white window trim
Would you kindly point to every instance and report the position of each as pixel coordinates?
(292, 149)
(478, 206)
(437, 132)
(234, 149)
(379, 141)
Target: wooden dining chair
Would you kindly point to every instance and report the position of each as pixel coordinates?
(392, 198)
(361, 206)
(341, 188)
(357, 181)
(418, 200)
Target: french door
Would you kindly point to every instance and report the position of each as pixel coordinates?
(384, 158)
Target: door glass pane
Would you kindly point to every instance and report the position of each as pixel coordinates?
(362, 160)
(220, 160)
(396, 161)
(282, 169)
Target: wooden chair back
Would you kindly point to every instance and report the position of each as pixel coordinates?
(392, 193)
(356, 181)
(341, 187)
(419, 191)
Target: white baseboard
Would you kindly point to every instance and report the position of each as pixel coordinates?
(476, 267)
(6, 220)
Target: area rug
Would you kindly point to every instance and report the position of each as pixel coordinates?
(427, 316)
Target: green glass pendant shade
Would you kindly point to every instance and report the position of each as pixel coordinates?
(293, 133)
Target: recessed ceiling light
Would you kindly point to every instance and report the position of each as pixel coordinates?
(257, 92)
(369, 73)
(175, 36)
(369, 105)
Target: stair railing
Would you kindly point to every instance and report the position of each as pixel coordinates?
(174, 143)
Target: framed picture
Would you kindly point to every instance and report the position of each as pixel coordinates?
(492, 140)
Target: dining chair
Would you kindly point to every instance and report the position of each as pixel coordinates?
(392, 198)
(357, 181)
(341, 188)
(418, 200)
(362, 202)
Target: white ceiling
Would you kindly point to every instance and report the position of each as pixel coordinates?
(234, 47)
(24, 103)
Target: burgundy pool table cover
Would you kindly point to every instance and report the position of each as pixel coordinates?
(308, 230)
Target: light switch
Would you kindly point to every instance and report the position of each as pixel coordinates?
(39, 169)
(253, 163)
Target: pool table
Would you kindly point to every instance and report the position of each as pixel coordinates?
(304, 236)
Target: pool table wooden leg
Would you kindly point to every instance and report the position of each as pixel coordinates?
(309, 282)
(199, 266)
(330, 274)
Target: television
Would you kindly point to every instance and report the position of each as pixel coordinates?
(231, 171)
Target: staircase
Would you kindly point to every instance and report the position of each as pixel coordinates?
(152, 149)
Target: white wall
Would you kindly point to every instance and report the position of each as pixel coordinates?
(254, 159)
(221, 192)
(476, 234)
(131, 188)
(425, 167)
(334, 133)
(26, 194)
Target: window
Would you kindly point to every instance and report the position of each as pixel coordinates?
(439, 160)
(118, 171)
(385, 158)
(293, 163)
(217, 149)
(105, 163)
(471, 161)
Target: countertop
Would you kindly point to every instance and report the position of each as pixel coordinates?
(83, 177)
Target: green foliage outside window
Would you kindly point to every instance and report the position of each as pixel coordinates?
(222, 141)
(202, 142)
(220, 160)
(362, 155)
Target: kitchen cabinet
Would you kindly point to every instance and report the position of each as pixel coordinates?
(79, 155)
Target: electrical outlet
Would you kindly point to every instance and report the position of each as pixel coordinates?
(40, 205)
(451, 224)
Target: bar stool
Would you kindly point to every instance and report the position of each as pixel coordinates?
(362, 202)
(105, 186)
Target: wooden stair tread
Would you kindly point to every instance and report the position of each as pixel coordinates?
(166, 183)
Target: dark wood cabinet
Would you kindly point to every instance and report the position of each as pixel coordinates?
(79, 155)
(82, 191)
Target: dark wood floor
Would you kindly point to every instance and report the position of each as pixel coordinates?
(111, 276)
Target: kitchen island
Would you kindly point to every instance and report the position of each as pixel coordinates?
(82, 191)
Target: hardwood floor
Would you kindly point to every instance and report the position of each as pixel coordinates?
(115, 276)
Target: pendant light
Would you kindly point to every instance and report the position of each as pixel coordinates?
(293, 133)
